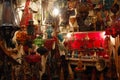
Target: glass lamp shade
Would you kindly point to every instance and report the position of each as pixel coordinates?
(33, 58)
(42, 50)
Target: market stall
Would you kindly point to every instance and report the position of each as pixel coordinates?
(60, 39)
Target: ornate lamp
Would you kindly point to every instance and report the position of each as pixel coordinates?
(7, 32)
(9, 22)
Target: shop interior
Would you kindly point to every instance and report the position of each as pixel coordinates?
(59, 40)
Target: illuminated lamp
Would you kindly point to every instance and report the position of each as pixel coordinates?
(33, 58)
(69, 35)
(55, 12)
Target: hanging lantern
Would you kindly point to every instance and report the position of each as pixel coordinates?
(108, 4)
(9, 22)
(114, 32)
(49, 43)
(21, 37)
(39, 41)
(49, 31)
(114, 29)
(42, 50)
(115, 8)
(31, 28)
(60, 37)
(33, 58)
(27, 15)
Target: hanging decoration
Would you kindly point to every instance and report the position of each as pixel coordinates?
(11, 17)
(49, 43)
(27, 15)
(49, 31)
(42, 50)
(39, 41)
(33, 58)
(31, 28)
(9, 22)
(114, 29)
(21, 37)
(60, 37)
(108, 4)
(115, 9)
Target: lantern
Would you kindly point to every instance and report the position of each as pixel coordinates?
(33, 58)
(42, 50)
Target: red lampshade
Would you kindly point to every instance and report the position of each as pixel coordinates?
(33, 58)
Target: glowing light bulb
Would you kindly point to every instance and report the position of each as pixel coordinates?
(68, 35)
(55, 11)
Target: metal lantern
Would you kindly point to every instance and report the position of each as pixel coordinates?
(9, 22)
(7, 32)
